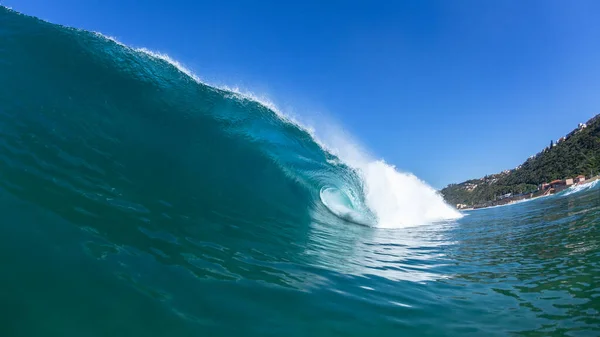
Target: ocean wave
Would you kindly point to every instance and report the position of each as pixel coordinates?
(235, 147)
(580, 187)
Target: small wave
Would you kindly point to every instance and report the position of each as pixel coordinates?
(581, 187)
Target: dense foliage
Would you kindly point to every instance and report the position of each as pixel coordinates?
(578, 154)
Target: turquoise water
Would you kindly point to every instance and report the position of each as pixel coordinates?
(136, 201)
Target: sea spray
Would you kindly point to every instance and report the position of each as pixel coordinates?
(397, 199)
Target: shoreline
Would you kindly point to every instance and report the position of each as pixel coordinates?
(546, 194)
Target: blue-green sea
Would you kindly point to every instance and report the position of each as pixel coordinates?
(136, 200)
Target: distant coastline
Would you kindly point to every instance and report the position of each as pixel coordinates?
(531, 196)
(570, 160)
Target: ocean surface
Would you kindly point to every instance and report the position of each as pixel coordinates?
(136, 200)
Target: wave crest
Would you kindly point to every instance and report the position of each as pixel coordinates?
(393, 199)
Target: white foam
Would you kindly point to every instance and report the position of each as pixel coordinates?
(580, 187)
(401, 199)
(397, 199)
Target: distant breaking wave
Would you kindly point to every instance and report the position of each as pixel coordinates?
(132, 118)
(581, 187)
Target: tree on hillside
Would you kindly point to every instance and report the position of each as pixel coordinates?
(578, 154)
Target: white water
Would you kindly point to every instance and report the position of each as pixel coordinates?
(580, 187)
(401, 199)
(397, 199)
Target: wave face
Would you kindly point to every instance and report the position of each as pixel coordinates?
(145, 129)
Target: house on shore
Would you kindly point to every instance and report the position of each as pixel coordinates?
(579, 179)
(558, 185)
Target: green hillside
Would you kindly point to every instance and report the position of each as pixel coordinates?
(576, 154)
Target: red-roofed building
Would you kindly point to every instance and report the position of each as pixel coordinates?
(556, 183)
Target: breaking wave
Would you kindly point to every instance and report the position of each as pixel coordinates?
(134, 117)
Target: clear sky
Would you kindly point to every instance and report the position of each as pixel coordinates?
(448, 90)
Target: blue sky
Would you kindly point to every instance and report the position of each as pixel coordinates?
(448, 90)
